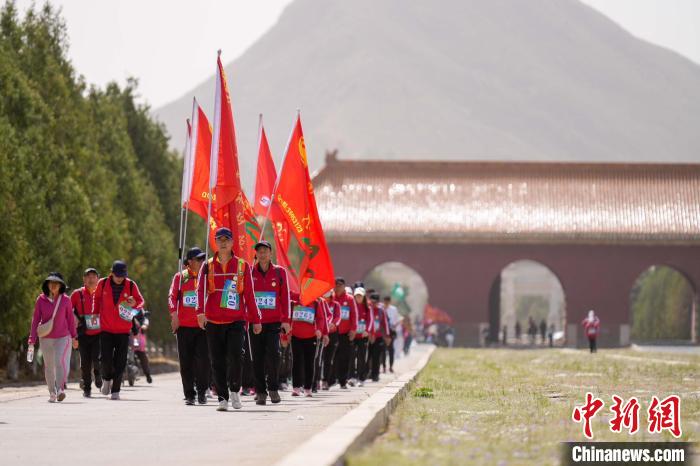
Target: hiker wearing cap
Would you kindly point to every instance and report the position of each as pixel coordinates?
(309, 329)
(381, 334)
(53, 325)
(272, 298)
(191, 339)
(365, 328)
(346, 331)
(225, 304)
(117, 300)
(328, 375)
(88, 331)
(394, 319)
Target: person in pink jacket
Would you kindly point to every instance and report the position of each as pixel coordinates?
(52, 303)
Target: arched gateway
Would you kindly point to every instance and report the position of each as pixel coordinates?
(458, 224)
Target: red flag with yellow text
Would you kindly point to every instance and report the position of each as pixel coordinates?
(298, 214)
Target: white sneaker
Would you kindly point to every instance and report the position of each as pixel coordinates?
(307, 393)
(223, 406)
(115, 395)
(52, 398)
(106, 387)
(236, 401)
(351, 382)
(360, 383)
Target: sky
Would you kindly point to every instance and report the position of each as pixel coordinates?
(170, 46)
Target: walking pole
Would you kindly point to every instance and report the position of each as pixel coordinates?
(184, 203)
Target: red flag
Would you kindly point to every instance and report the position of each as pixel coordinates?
(298, 214)
(231, 206)
(266, 177)
(434, 315)
(200, 141)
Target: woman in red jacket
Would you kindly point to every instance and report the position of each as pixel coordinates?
(591, 327)
(117, 299)
(191, 339)
(365, 329)
(308, 327)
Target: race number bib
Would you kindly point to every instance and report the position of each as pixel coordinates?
(189, 299)
(92, 322)
(344, 312)
(126, 312)
(266, 300)
(377, 328)
(304, 314)
(361, 326)
(229, 297)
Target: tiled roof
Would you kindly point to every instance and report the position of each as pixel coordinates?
(509, 202)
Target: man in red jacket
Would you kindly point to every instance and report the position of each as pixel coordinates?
(191, 340)
(225, 303)
(346, 331)
(88, 331)
(117, 300)
(272, 298)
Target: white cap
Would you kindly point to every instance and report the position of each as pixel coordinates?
(359, 290)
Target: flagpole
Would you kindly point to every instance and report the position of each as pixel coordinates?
(183, 210)
(277, 181)
(213, 159)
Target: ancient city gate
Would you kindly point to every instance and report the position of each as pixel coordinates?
(596, 226)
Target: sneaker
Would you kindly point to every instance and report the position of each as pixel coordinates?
(52, 398)
(149, 379)
(115, 396)
(87, 394)
(61, 395)
(223, 405)
(361, 383)
(106, 387)
(98, 384)
(189, 401)
(375, 379)
(307, 393)
(351, 382)
(202, 399)
(236, 401)
(284, 387)
(324, 386)
(344, 386)
(245, 392)
(261, 399)
(314, 390)
(296, 392)
(275, 396)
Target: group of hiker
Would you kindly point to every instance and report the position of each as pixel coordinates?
(239, 327)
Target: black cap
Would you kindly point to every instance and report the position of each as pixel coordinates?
(339, 281)
(374, 296)
(53, 277)
(223, 231)
(195, 253)
(119, 269)
(91, 270)
(263, 243)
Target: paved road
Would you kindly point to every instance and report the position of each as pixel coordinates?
(151, 425)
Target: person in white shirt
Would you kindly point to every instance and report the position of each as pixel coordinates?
(392, 313)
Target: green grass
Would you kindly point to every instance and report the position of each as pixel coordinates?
(504, 407)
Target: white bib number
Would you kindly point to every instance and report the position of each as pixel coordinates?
(92, 321)
(189, 299)
(304, 314)
(344, 312)
(229, 297)
(361, 326)
(266, 300)
(126, 312)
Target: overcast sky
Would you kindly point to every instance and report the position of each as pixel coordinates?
(170, 45)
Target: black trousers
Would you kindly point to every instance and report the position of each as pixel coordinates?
(360, 363)
(226, 350)
(143, 360)
(592, 345)
(376, 350)
(194, 360)
(285, 366)
(329, 355)
(318, 364)
(342, 358)
(113, 350)
(266, 358)
(389, 349)
(89, 348)
(303, 351)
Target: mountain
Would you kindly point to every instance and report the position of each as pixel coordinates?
(457, 80)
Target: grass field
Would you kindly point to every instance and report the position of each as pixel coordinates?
(503, 407)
